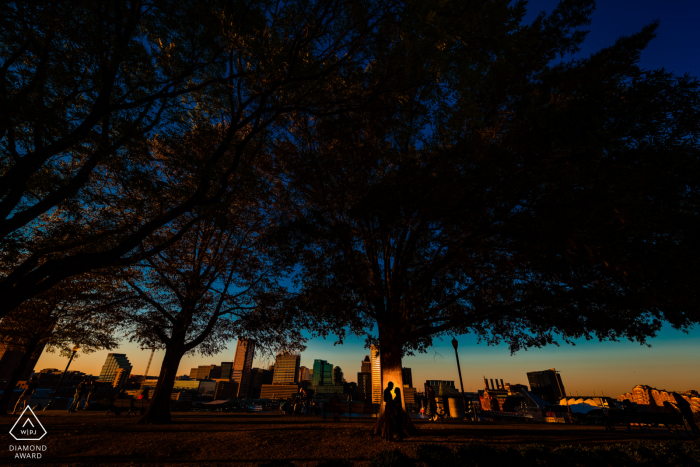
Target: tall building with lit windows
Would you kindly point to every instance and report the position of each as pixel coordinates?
(114, 362)
(286, 368)
(242, 364)
(376, 375)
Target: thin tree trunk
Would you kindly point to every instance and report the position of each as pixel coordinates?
(159, 408)
(390, 361)
(24, 362)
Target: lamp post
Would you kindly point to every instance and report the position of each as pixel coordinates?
(459, 370)
(50, 403)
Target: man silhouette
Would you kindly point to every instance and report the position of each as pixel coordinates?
(389, 411)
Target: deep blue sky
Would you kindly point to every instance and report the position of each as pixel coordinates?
(610, 367)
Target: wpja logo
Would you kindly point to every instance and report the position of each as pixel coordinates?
(28, 428)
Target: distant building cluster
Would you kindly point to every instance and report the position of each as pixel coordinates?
(646, 396)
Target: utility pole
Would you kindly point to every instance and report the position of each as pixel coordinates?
(459, 370)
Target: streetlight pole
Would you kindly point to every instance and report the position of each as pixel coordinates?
(50, 403)
(459, 370)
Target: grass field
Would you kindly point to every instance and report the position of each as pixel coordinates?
(196, 439)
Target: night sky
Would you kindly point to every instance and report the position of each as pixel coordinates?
(613, 368)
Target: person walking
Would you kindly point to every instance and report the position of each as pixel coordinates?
(432, 404)
(91, 389)
(79, 393)
(26, 396)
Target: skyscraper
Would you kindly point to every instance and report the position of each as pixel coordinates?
(286, 368)
(364, 380)
(258, 377)
(376, 375)
(113, 362)
(337, 376)
(407, 377)
(366, 365)
(304, 374)
(323, 373)
(242, 364)
(547, 384)
(226, 370)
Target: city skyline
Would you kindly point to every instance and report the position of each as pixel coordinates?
(608, 367)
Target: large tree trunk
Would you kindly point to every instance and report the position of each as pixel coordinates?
(390, 347)
(159, 408)
(30, 352)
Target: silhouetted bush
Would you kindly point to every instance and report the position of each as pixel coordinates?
(393, 458)
(336, 463)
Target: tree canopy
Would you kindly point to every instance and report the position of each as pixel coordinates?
(514, 196)
(86, 89)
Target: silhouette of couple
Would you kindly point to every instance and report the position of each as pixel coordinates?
(393, 412)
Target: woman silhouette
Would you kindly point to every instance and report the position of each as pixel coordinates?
(398, 414)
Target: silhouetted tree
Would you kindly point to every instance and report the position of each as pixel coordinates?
(520, 199)
(219, 282)
(83, 310)
(87, 87)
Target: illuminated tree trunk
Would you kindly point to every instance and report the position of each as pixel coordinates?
(159, 408)
(390, 359)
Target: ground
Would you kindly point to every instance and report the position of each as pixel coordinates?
(195, 439)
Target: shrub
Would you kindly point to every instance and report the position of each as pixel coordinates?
(437, 455)
(394, 458)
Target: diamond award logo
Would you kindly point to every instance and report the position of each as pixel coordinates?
(27, 427)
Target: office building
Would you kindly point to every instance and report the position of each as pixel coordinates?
(120, 378)
(407, 377)
(337, 376)
(323, 373)
(304, 374)
(364, 386)
(366, 365)
(242, 364)
(409, 396)
(226, 390)
(258, 377)
(324, 378)
(286, 368)
(206, 372)
(114, 362)
(279, 391)
(376, 372)
(436, 384)
(226, 371)
(547, 385)
(364, 380)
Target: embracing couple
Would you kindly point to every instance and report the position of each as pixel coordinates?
(393, 412)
